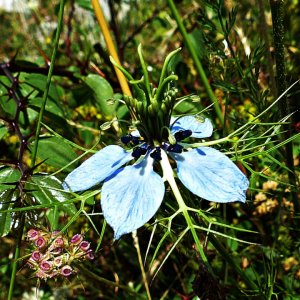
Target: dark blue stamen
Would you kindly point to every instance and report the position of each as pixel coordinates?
(138, 152)
(126, 139)
(182, 134)
(175, 148)
(156, 153)
(135, 140)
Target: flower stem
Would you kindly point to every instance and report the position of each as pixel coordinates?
(144, 276)
(16, 257)
(286, 106)
(197, 62)
(168, 176)
(48, 82)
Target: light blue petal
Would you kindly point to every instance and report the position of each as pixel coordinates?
(200, 128)
(97, 168)
(135, 133)
(131, 197)
(211, 175)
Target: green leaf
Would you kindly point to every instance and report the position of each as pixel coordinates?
(86, 4)
(3, 131)
(38, 81)
(102, 92)
(232, 244)
(7, 104)
(51, 106)
(56, 152)
(6, 220)
(8, 176)
(47, 189)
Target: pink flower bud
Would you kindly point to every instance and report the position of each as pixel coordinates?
(32, 263)
(36, 255)
(76, 239)
(56, 251)
(41, 274)
(84, 245)
(66, 271)
(40, 242)
(59, 242)
(46, 265)
(58, 261)
(55, 233)
(32, 234)
(90, 255)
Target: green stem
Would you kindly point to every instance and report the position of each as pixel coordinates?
(48, 82)
(168, 176)
(144, 276)
(285, 105)
(166, 63)
(146, 76)
(98, 279)
(16, 257)
(197, 62)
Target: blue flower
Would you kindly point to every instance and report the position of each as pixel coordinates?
(131, 195)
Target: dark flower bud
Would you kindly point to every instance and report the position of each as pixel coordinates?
(135, 140)
(182, 134)
(126, 139)
(138, 152)
(156, 153)
(175, 148)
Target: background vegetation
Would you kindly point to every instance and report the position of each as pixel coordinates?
(239, 47)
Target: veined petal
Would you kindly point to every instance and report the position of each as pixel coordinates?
(131, 196)
(210, 174)
(96, 168)
(199, 128)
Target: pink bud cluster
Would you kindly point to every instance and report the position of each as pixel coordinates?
(53, 253)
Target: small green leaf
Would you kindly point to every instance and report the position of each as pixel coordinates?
(56, 152)
(103, 92)
(232, 244)
(48, 189)
(8, 106)
(3, 131)
(8, 176)
(6, 220)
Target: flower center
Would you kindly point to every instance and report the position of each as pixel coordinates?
(142, 148)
